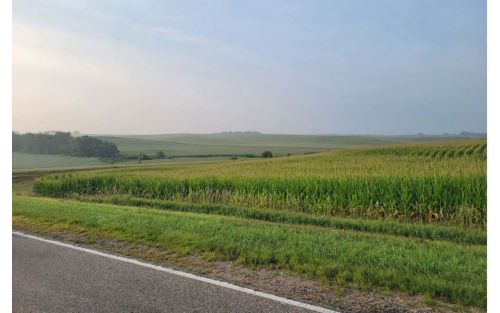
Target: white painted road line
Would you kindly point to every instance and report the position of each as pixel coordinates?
(183, 274)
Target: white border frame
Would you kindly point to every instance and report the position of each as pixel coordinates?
(493, 154)
(6, 153)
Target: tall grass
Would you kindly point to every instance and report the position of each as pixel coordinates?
(396, 228)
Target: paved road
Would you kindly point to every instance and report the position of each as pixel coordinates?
(50, 278)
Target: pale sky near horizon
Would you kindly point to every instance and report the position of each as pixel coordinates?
(332, 66)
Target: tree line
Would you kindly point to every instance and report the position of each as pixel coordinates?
(63, 143)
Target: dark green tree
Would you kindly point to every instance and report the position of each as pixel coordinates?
(267, 154)
(63, 143)
(160, 155)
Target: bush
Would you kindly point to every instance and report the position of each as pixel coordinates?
(267, 154)
(160, 155)
(143, 157)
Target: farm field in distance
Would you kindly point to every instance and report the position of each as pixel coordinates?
(29, 161)
(248, 143)
(205, 147)
(408, 218)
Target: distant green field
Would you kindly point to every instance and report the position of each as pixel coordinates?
(210, 147)
(21, 161)
(249, 143)
(27, 162)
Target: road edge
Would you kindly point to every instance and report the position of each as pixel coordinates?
(187, 275)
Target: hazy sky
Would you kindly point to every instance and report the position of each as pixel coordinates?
(332, 66)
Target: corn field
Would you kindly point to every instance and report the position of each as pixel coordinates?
(439, 182)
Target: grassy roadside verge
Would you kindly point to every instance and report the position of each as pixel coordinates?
(442, 270)
(389, 227)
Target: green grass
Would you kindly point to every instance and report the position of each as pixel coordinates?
(408, 182)
(442, 270)
(411, 230)
(27, 161)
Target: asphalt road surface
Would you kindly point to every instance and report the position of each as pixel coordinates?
(51, 278)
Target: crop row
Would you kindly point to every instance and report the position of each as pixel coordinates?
(460, 200)
(476, 149)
